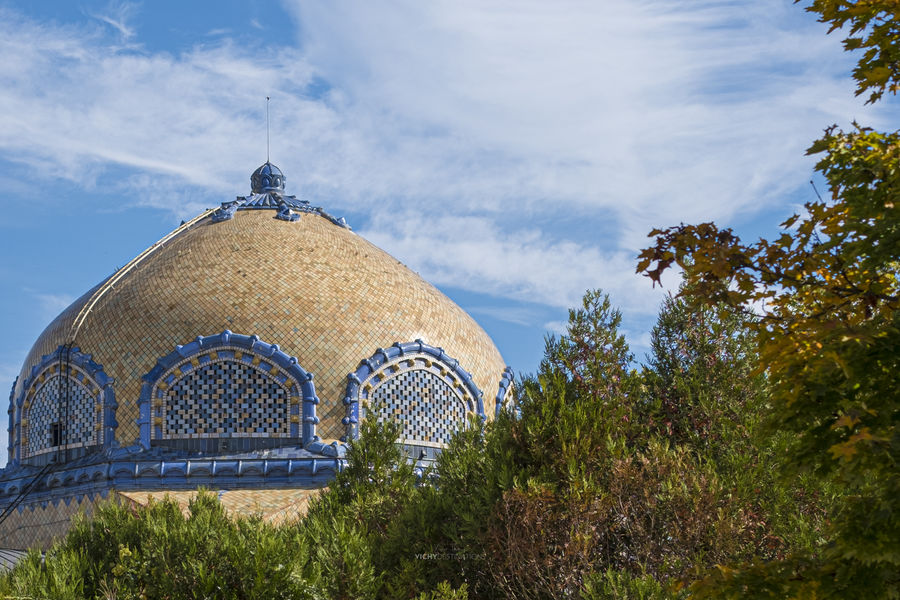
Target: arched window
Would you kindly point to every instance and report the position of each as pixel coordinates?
(417, 385)
(67, 405)
(227, 392)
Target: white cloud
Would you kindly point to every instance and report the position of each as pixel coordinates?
(517, 315)
(557, 327)
(461, 129)
(191, 119)
(662, 111)
(117, 15)
(478, 254)
(52, 304)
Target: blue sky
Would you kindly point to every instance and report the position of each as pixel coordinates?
(513, 153)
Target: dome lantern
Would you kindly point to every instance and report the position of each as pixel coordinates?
(267, 179)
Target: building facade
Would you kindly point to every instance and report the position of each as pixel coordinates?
(239, 353)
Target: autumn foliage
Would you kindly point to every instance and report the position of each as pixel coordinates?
(827, 304)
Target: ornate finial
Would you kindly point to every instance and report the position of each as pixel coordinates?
(267, 179)
(267, 129)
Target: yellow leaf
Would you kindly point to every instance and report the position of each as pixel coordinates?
(878, 75)
(844, 450)
(845, 421)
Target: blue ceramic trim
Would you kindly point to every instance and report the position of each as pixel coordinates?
(506, 381)
(267, 192)
(306, 429)
(286, 214)
(374, 363)
(272, 201)
(94, 370)
(126, 470)
(10, 429)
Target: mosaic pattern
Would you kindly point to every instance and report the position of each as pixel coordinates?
(223, 397)
(322, 293)
(48, 407)
(39, 524)
(439, 371)
(427, 407)
(66, 398)
(419, 386)
(273, 505)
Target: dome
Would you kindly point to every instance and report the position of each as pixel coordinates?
(275, 319)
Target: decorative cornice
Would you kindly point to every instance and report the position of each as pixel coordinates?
(287, 206)
(147, 473)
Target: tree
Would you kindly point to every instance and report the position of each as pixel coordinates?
(829, 336)
(702, 387)
(572, 496)
(592, 353)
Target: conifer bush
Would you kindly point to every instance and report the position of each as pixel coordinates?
(604, 482)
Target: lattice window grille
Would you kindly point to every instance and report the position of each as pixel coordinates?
(423, 394)
(189, 400)
(44, 405)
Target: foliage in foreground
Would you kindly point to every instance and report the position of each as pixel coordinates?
(604, 482)
(829, 339)
(158, 552)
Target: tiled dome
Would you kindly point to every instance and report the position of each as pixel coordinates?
(295, 278)
(237, 353)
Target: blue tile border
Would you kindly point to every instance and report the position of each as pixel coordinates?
(84, 363)
(289, 208)
(375, 364)
(305, 429)
(132, 470)
(506, 388)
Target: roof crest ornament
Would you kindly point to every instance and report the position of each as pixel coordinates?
(267, 192)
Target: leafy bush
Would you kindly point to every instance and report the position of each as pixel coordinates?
(155, 551)
(605, 483)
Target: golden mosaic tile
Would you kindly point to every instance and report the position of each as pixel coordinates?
(274, 505)
(321, 292)
(39, 526)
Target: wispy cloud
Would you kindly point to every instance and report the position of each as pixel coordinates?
(517, 315)
(556, 327)
(48, 304)
(53, 304)
(519, 149)
(118, 16)
(476, 253)
(660, 111)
